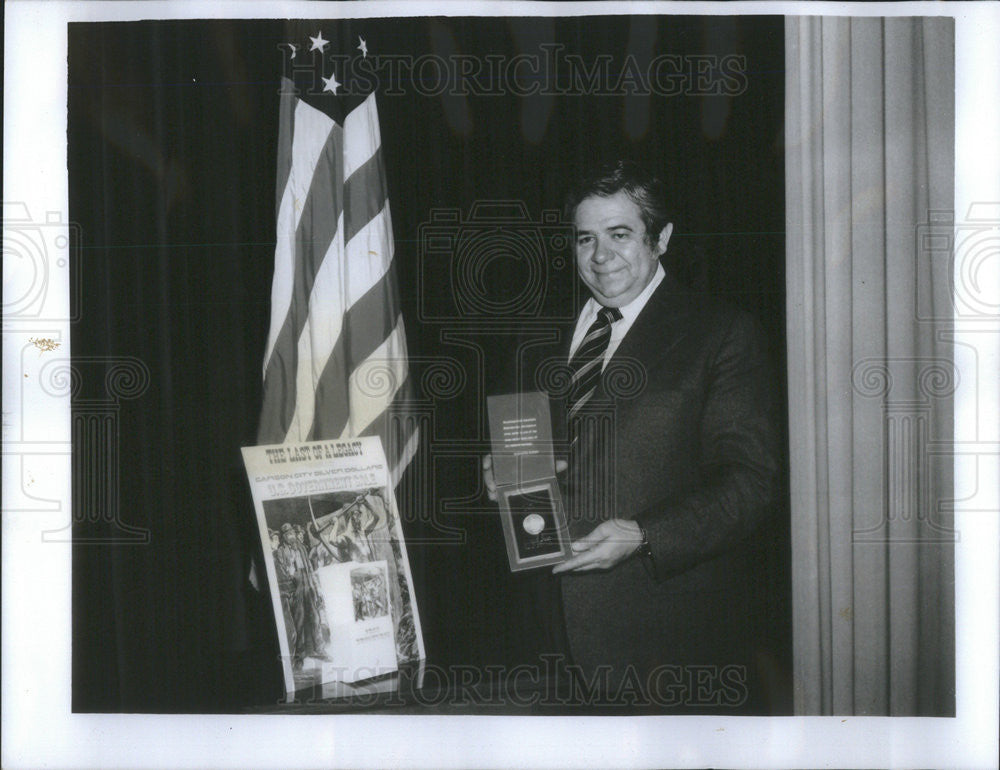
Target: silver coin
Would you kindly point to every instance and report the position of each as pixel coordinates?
(533, 524)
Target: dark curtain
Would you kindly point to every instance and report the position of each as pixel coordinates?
(172, 137)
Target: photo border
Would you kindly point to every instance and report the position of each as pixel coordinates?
(38, 725)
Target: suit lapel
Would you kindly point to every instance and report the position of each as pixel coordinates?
(658, 329)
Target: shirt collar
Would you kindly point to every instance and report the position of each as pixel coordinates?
(631, 311)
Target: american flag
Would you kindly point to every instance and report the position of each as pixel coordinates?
(335, 364)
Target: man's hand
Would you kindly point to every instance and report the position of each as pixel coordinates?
(491, 482)
(611, 542)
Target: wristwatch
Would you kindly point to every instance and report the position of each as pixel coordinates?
(643, 550)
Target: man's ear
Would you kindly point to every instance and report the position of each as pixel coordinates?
(664, 239)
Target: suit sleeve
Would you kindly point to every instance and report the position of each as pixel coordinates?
(738, 460)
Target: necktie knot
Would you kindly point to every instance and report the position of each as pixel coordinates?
(609, 315)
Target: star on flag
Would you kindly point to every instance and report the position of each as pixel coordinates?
(318, 43)
(331, 84)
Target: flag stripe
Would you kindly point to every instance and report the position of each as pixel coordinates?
(366, 324)
(404, 457)
(316, 230)
(278, 406)
(374, 382)
(320, 212)
(361, 135)
(286, 130)
(313, 131)
(347, 274)
(364, 195)
(368, 256)
(320, 333)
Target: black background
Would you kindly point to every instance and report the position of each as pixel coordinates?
(172, 137)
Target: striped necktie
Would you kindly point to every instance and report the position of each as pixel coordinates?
(588, 360)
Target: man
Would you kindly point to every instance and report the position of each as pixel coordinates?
(672, 461)
(373, 521)
(321, 553)
(304, 601)
(286, 587)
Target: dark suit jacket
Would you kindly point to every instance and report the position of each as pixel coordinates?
(681, 437)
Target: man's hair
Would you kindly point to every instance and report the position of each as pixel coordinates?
(644, 188)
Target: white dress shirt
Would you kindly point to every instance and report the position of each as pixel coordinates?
(619, 328)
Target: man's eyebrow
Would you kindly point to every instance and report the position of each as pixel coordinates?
(622, 226)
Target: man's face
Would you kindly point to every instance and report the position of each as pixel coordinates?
(613, 255)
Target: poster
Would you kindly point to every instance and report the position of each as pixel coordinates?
(336, 562)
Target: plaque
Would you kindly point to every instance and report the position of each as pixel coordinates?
(531, 507)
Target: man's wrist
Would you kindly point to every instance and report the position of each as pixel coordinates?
(643, 550)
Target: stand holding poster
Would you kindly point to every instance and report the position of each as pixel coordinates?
(336, 561)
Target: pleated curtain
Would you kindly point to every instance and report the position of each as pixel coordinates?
(869, 184)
